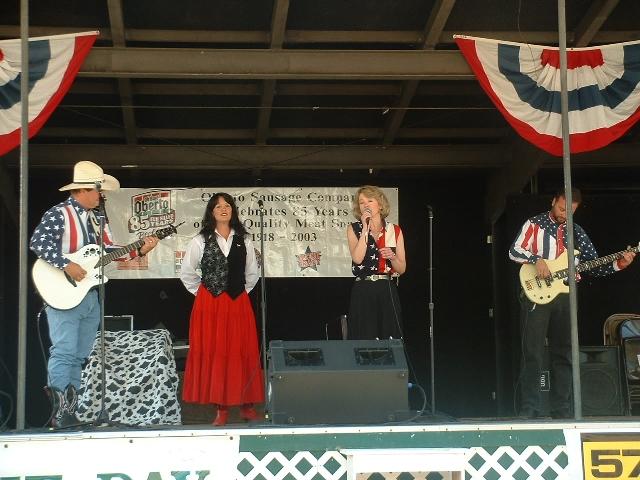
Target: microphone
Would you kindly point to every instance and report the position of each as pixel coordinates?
(261, 207)
(260, 203)
(430, 210)
(368, 219)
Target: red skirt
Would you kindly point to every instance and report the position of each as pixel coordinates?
(223, 364)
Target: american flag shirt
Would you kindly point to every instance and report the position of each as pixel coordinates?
(543, 237)
(373, 263)
(66, 228)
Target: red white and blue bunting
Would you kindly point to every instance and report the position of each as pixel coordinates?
(523, 81)
(53, 64)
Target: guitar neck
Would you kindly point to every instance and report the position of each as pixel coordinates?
(597, 262)
(111, 256)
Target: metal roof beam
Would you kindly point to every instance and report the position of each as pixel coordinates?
(526, 159)
(432, 31)
(275, 64)
(321, 157)
(436, 23)
(278, 28)
(116, 21)
(409, 37)
(593, 20)
(305, 88)
(244, 134)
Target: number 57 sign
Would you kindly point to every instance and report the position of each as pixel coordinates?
(611, 459)
(608, 453)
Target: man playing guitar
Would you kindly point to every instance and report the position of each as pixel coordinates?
(543, 238)
(65, 228)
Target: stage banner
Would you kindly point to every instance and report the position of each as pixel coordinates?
(304, 228)
(53, 64)
(159, 455)
(523, 82)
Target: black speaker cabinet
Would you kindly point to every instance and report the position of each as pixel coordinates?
(600, 382)
(337, 381)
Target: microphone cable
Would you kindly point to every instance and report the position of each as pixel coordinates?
(9, 398)
(3, 425)
(44, 360)
(412, 370)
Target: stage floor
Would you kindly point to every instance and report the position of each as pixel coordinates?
(502, 448)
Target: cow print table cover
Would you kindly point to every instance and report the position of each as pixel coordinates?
(141, 379)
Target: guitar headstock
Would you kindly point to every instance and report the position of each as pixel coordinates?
(633, 248)
(166, 231)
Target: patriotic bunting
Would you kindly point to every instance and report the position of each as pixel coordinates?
(53, 64)
(523, 81)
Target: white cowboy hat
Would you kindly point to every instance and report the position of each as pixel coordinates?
(89, 175)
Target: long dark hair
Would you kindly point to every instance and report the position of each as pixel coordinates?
(209, 222)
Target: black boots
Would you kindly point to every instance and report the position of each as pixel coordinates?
(63, 406)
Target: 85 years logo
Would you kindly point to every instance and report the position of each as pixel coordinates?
(151, 210)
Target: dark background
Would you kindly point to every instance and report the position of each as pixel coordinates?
(474, 283)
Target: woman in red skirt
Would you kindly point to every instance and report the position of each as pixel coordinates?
(219, 268)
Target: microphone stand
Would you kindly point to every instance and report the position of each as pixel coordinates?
(103, 415)
(431, 307)
(263, 294)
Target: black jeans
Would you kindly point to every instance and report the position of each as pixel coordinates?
(538, 322)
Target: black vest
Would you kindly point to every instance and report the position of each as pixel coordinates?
(220, 273)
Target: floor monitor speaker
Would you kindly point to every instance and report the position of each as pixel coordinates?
(337, 381)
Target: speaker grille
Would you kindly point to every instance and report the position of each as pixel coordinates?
(599, 389)
(307, 357)
(374, 356)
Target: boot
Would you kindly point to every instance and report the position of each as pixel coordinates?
(248, 413)
(71, 397)
(221, 417)
(60, 417)
(58, 407)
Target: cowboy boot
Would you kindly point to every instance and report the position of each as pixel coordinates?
(71, 397)
(58, 407)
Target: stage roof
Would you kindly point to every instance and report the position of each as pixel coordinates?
(297, 84)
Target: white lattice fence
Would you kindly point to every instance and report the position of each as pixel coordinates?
(505, 463)
(301, 466)
(531, 463)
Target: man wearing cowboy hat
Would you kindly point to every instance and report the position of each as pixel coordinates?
(65, 228)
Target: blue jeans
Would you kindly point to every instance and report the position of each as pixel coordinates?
(72, 334)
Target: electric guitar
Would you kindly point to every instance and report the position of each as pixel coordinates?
(59, 290)
(543, 290)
